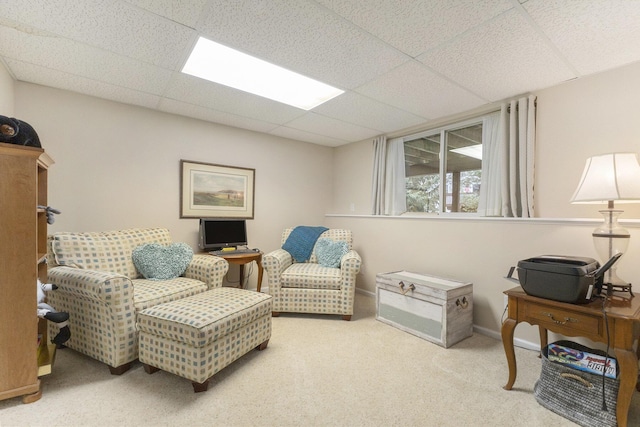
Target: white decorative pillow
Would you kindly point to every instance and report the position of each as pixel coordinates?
(329, 253)
(158, 262)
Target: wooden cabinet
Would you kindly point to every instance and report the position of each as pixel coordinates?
(23, 238)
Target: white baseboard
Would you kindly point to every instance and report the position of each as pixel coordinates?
(369, 293)
(528, 345)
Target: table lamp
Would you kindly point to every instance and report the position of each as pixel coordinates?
(610, 178)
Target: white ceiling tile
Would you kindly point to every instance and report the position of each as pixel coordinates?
(500, 59)
(214, 96)
(412, 87)
(75, 58)
(299, 135)
(369, 113)
(593, 35)
(472, 52)
(416, 26)
(60, 80)
(186, 12)
(111, 25)
(195, 111)
(333, 128)
(310, 40)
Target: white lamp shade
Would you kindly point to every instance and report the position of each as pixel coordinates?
(609, 177)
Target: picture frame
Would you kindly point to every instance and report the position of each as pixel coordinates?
(210, 190)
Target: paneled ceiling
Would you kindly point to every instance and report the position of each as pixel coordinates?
(401, 63)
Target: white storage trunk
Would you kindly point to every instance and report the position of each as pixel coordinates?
(436, 309)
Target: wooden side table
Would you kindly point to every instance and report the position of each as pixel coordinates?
(245, 258)
(581, 320)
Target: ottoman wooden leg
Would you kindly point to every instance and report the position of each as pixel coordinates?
(150, 369)
(200, 387)
(346, 317)
(275, 313)
(262, 346)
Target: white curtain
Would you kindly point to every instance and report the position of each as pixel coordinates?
(508, 147)
(521, 147)
(379, 171)
(395, 201)
(388, 195)
(490, 203)
(517, 132)
(531, 153)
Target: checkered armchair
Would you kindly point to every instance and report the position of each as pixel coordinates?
(308, 287)
(101, 289)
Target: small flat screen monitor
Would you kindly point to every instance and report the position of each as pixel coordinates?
(222, 233)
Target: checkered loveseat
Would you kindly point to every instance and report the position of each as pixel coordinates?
(100, 288)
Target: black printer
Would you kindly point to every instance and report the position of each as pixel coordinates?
(562, 278)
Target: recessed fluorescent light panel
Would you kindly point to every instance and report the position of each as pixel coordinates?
(474, 151)
(220, 64)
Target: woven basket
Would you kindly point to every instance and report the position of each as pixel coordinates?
(574, 394)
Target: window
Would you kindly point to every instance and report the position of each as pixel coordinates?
(451, 155)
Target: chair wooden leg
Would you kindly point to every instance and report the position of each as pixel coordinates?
(200, 387)
(275, 313)
(119, 370)
(150, 369)
(262, 346)
(346, 317)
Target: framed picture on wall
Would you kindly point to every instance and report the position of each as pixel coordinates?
(216, 191)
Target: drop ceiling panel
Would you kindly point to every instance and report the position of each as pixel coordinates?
(114, 26)
(299, 135)
(416, 26)
(77, 59)
(506, 56)
(195, 111)
(369, 113)
(194, 90)
(402, 63)
(186, 12)
(333, 128)
(610, 29)
(414, 88)
(60, 80)
(303, 37)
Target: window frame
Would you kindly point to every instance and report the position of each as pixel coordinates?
(442, 130)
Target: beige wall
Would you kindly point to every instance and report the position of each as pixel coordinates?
(6, 92)
(579, 119)
(479, 251)
(117, 166)
(575, 120)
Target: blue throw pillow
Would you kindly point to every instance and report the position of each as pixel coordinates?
(329, 253)
(158, 262)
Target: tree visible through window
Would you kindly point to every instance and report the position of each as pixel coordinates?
(452, 155)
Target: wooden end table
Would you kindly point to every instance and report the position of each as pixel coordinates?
(245, 258)
(581, 320)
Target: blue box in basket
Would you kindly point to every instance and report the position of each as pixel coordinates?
(582, 360)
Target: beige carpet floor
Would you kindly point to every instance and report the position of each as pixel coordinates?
(316, 371)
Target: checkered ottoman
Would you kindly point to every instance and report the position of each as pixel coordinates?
(197, 336)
